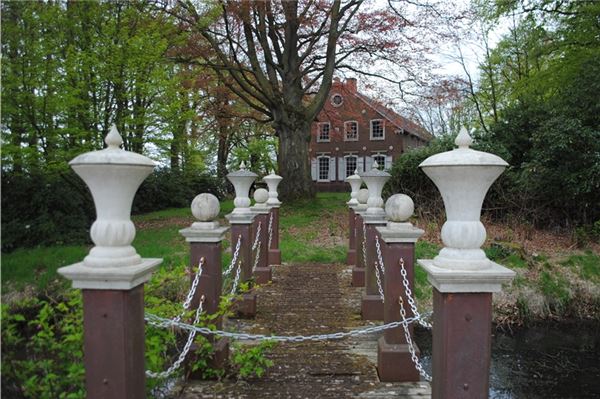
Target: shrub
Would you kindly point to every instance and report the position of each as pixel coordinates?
(43, 208)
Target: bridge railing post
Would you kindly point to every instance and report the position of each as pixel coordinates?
(398, 250)
(371, 304)
(112, 276)
(274, 204)
(358, 271)
(262, 270)
(241, 220)
(205, 237)
(463, 278)
(355, 181)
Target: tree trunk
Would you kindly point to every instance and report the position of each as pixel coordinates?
(294, 164)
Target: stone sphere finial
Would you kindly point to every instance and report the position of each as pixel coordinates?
(113, 139)
(362, 196)
(206, 207)
(463, 140)
(261, 196)
(399, 208)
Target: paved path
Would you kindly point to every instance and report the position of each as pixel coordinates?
(311, 299)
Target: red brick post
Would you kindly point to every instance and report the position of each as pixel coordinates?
(398, 249)
(463, 278)
(372, 304)
(358, 271)
(241, 221)
(274, 204)
(262, 271)
(205, 237)
(112, 276)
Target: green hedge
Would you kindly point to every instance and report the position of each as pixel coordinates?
(46, 209)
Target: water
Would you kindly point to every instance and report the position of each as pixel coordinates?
(544, 361)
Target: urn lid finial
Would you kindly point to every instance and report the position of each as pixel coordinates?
(463, 140)
(113, 139)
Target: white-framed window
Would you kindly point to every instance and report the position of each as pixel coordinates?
(351, 164)
(337, 100)
(380, 159)
(377, 129)
(324, 130)
(351, 131)
(323, 168)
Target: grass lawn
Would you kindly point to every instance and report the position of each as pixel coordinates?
(316, 231)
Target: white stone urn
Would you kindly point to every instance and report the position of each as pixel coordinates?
(375, 179)
(355, 181)
(113, 176)
(463, 177)
(273, 181)
(242, 181)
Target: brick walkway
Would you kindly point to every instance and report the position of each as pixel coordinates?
(310, 299)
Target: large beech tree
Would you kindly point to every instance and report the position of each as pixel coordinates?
(280, 56)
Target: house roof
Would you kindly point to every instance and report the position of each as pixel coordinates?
(396, 119)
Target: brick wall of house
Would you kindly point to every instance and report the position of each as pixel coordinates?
(333, 159)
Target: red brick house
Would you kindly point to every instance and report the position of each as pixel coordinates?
(352, 131)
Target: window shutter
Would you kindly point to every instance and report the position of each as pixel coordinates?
(388, 162)
(341, 168)
(368, 163)
(332, 169)
(313, 169)
(360, 164)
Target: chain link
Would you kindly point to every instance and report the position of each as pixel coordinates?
(192, 291)
(409, 296)
(236, 280)
(257, 238)
(270, 230)
(379, 285)
(161, 322)
(234, 259)
(364, 244)
(186, 349)
(409, 341)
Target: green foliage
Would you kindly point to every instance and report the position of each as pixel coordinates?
(556, 289)
(249, 360)
(587, 265)
(57, 208)
(42, 341)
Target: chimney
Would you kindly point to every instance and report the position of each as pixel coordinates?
(351, 85)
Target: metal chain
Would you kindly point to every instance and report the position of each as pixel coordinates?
(364, 244)
(409, 341)
(192, 291)
(236, 253)
(182, 355)
(236, 280)
(161, 322)
(259, 228)
(379, 255)
(257, 257)
(409, 296)
(379, 285)
(270, 231)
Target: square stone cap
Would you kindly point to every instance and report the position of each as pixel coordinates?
(110, 278)
(260, 210)
(194, 234)
(484, 280)
(241, 218)
(373, 219)
(399, 232)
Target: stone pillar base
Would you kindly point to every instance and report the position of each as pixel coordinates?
(275, 256)
(351, 258)
(358, 276)
(218, 360)
(263, 275)
(245, 307)
(371, 307)
(394, 362)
